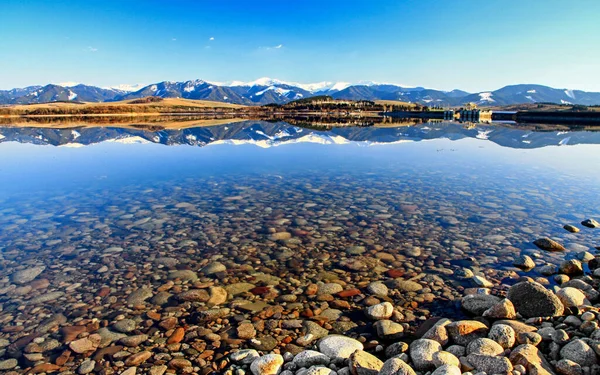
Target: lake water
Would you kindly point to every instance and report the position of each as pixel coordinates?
(271, 211)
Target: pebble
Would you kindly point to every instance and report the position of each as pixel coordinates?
(337, 346)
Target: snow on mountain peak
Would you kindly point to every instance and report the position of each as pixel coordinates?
(127, 87)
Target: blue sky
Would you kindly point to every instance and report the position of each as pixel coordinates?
(471, 45)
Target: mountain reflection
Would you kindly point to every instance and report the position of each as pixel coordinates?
(269, 133)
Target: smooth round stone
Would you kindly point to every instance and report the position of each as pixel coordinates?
(212, 268)
(363, 363)
(86, 367)
(484, 346)
(447, 370)
(355, 250)
(548, 244)
(396, 366)
(377, 288)
(269, 364)
(524, 262)
(308, 358)
(442, 358)
(421, 353)
(579, 352)
(27, 275)
(571, 267)
(8, 364)
(571, 297)
(502, 334)
(338, 346)
(568, 367)
(588, 316)
(388, 330)
(463, 332)
(532, 299)
(125, 325)
(329, 288)
(380, 311)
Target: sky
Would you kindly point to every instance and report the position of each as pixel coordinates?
(465, 44)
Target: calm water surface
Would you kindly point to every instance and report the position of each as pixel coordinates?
(283, 207)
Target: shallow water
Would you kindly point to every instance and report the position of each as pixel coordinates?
(423, 200)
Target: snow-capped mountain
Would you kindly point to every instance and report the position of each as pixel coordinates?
(268, 91)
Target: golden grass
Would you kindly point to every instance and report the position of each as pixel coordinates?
(169, 102)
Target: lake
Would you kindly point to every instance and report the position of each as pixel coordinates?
(134, 231)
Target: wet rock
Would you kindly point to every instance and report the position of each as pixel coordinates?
(524, 262)
(212, 268)
(194, 295)
(363, 363)
(571, 267)
(184, 275)
(464, 331)
(571, 228)
(107, 336)
(246, 331)
(264, 343)
(133, 341)
(377, 288)
(269, 364)
(85, 344)
(8, 364)
(421, 353)
(329, 288)
(548, 244)
(138, 296)
(337, 346)
(125, 325)
(218, 296)
(27, 275)
(86, 367)
(138, 358)
(404, 285)
(531, 299)
(590, 223)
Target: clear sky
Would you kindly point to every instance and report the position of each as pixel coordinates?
(466, 44)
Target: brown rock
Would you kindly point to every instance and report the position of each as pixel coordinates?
(177, 336)
(70, 333)
(44, 367)
(348, 293)
(463, 332)
(137, 358)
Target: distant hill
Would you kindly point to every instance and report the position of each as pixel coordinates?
(272, 91)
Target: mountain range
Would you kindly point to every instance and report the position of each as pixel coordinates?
(273, 91)
(270, 134)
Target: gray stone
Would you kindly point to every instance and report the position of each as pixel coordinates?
(548, 244)
(27, 275)
(308, 358)
(571, 297)
(580, 352)
(502, 334)
(490, 364)
(388, 330)
(421, 353)
(396, 366)
(86, 366)
(590, 223)
(339, 347)
(531, 299)
(138, 296)
(477, 304)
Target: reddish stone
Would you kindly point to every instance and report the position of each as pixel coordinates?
(44, 367)
(63, 358)
(153, 315)
(349, 293)
(311, 290)
(108, 351)
(70, 333)
(104, 291)
(177, 336)
(39, 284)
(395, 273)
(168, 323)
(259, 290)
(12, 329)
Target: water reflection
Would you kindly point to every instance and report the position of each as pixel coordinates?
(122, 220)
